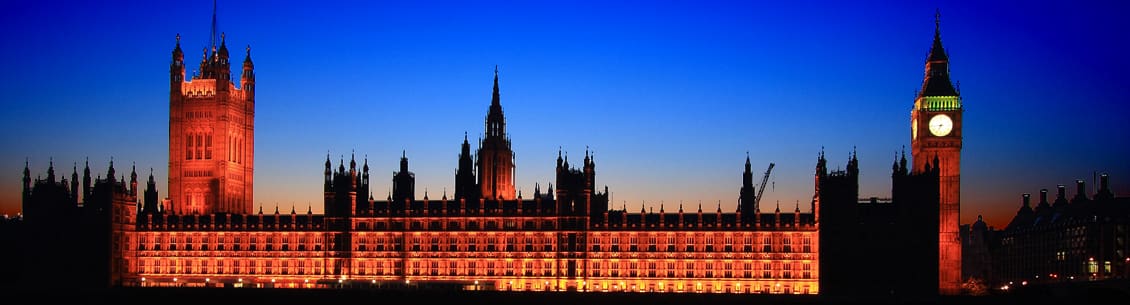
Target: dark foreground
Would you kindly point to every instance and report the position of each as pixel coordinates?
(1104, 293)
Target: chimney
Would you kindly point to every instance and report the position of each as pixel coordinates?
(1027, 200)
(1080, 190)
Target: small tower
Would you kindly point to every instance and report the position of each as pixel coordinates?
(27, 184)
(247, 79)
(747, 202)
(133, 181)
(51, 170)
(150, 203)
(176, 69)
(74, 184)
(86, 181)
(404, 182)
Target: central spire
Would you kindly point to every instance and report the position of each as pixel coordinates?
(496, 121)
(494, 100)
(213, 34)
(495, 158)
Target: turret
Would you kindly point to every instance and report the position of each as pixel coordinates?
(902, 163)
(718, 215)
(465, 185)
(352, 166)
(27, 181)
(86, 181)
(746, 195)
(247, 79)
(74, 184)
(133, 180)
(403, 182)
(777, 215)
(110, 172)
(559, 165)
(51, 170)
(150, 203)
(365, 173)
(222, 66)
(176, 70)
(590, 169)
(796, 215)
(329, 175)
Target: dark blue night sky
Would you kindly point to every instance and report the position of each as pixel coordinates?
(669, 95)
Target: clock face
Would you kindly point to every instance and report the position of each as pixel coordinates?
(914, 129)
(941, 125)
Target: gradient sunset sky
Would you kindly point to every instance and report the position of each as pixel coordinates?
(669, 95)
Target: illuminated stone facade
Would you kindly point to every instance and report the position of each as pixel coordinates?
(563, 239)
(211, 135)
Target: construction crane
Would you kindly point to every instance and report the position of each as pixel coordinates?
(761, 190)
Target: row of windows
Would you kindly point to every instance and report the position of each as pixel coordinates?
(457, 225)
(707, 269)
(236, 243)
(688, 269)
(236, 267)
(614, 243)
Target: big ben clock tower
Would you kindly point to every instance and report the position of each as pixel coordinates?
(935, 125)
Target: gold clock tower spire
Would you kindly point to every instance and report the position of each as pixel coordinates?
(936, 128)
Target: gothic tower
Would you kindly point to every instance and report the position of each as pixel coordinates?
(211, 134)
(747, 201)
(465, 185)
(496, 159)
(936, 135)
(403, 182)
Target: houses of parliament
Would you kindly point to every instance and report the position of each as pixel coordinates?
(486, 236)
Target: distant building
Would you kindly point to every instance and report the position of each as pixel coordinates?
(1082, 238)
(977, 241)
